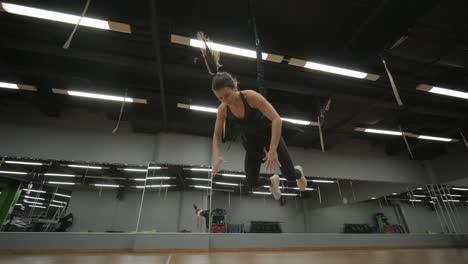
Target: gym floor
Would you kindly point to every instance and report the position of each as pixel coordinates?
(393, 256)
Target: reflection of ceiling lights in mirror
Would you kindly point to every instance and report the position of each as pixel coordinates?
(460, 189)
(227, 183)
(199, 179)
(23, 162)
(31, 202)
(199, 169)
(34, 198)
(107, 185)
(137, 170)
(31, 190)
(13, 172)
(61, 183)
(62, 195)
(154, 186)
(37, 206)
(322, 181)
(59, 175)
(232, 175)
(200, 187)
(84, 166)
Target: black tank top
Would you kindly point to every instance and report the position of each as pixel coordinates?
(254, 122)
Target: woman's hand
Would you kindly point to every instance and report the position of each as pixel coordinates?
(216, 166)
(272, 160)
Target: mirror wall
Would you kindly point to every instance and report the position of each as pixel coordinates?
(67, 196)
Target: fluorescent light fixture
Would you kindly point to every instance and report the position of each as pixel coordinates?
(60, 202)
(413, 200)
(215, 110)
(264, 193)
(159, 178)
(455, 195)
(31, 190)
(100, 96)
(19, 205)
(395, 193)
(373, 198)
(154, 168)
(289, 194)
(203, 109)
(200, 186)
(15, 86)
(442, 91)
(155, 186)
(225, 48)
(332, 69)
(198, 108)
(417, 195)
(460, 189)
(85, 167)
(398, 133)
(266, 186)
(8, 85)
(300, 122)
(139, 179)
(59, 175)
(199, 179)
(200, 169)
(30, 202)
(283, 194)
(233, 175)
(107, 185)
(227, 183)
(36, 206)
(306, 189)
(54, 205)
(386, 132)
(62, 195)
(61, 183)
(34, 198)
(138, 170)
(14, 172)
(23, 162)
(455, 201)
(322, 181)
(419, 189)
(64, 18)
(283, 179)
(335, 70)
(435, 138)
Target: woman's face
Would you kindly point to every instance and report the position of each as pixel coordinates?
(226, 95)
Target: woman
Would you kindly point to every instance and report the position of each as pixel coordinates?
(260, 127)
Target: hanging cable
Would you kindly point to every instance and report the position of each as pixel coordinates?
(68, 42)
(121, 112)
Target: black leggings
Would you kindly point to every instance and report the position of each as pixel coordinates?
(255, 153)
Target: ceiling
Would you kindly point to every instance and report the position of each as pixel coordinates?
(350, 34)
